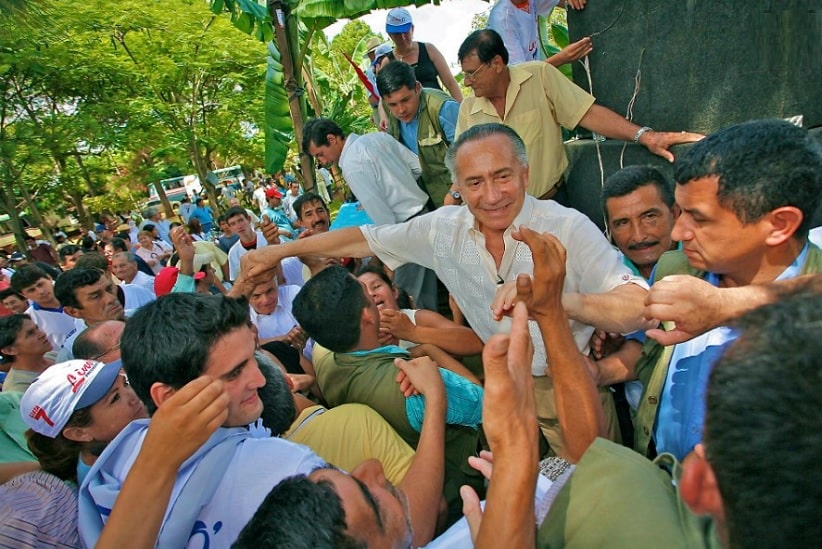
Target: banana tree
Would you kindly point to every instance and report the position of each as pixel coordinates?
(292, 23)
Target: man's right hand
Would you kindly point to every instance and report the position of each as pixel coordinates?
(260, 266)
(270, 230)
(423, 375)
(186, 420)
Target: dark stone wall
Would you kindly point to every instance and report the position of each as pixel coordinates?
(705, 63)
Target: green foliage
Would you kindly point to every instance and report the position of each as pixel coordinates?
(98, 102)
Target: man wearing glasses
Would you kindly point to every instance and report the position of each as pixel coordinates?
(536, 100)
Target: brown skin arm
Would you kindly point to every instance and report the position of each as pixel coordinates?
(606, 122)
(580, 413)
(432, 327)
(444, 360)
(510, 424)
(10, 470)
(696, 306)
(428, 463)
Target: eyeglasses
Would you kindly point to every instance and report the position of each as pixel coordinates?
(473, 74)
(114, 347)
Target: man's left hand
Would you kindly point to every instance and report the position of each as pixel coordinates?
(659, 142)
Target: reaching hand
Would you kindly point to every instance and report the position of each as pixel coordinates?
(423, 375)
(695, 306)
(572, 52)
(659, 142)
(182, 243)
(270, 230)
(397, 324)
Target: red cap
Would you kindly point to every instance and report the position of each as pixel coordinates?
(167, 278)
(273, 193)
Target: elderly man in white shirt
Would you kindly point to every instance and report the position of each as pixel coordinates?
(474, 252)
(383, 174)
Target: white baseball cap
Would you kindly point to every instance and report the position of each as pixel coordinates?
(63, 388)
(398, 21)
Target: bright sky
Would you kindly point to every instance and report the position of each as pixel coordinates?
(445, 26)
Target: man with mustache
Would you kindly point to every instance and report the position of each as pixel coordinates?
(638, 204)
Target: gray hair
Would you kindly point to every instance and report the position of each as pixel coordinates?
(481, 131)
(130, 257)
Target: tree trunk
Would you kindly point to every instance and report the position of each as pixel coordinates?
(287, 43)
(79, 159)
(37, 215)
(9, 205)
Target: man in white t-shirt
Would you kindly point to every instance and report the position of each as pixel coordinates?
(240, 223)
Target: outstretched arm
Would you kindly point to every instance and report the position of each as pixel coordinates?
(510, 424)
(696, 306)
(424, 479)
(606, 122)
(348, 242)
(580, 413)
(444, 72)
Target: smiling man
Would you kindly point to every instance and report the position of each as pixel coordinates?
(215, 493)
(473, 251)
(422, 119)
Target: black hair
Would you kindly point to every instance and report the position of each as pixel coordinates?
(395, 76)
(625, 181)
(59, 455)
(25, 276)
(486, 43)
(763, 426)
(299, 514)
(66, 285)
(307, 197)
(8, 292)
(278, 404)
(329, 306)
(317, 131)
(403, 299)
(169, 340)
(760, 166)
(92, 260)
(10, 327)
(119, 244)
(67, 250)
(234, 211)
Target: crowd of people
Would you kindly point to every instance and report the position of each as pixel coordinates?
(283, 384)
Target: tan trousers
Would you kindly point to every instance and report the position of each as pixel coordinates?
(547, 414)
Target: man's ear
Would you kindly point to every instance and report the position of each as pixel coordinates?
(784, 223)
(72, 311)
(8, 350)
(160, 392)
(698, 486)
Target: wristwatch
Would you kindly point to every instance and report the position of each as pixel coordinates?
(455, 194)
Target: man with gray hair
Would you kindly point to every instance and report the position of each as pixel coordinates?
(163, 226)
(124, 267)
(477, 253)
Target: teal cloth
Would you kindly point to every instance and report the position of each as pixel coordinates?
(464, 397)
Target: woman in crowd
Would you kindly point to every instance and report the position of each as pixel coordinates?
(426, 59)
(151, 252)
(73, 410)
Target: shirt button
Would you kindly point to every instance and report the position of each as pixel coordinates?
(652, 399)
